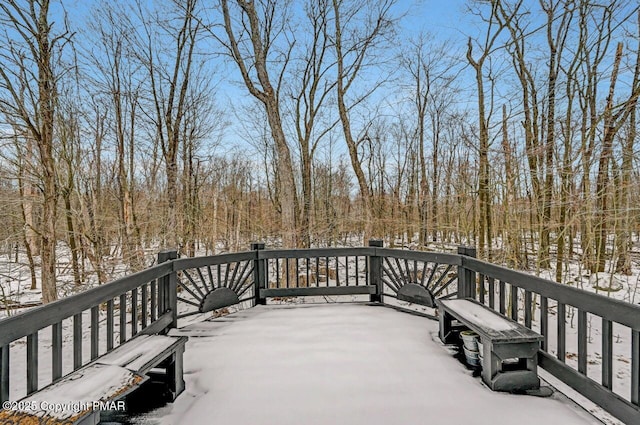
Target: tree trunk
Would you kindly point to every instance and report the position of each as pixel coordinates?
(73, 245)
(26, 204)
(269, 97)
(602, 180)
(46, 113)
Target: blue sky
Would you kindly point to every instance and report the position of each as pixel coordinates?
(442, 18)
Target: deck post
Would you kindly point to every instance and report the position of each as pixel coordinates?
(4, 373)
(168, 288)
(259, 274)
(375, 271)
(466, 277)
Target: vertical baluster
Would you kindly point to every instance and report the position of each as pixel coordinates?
(514, 303)
(357, 271)
(528, 308)
(307, 262)
(277, 273)
(635, 367)
(4, 373)
(502, 296)
(32, 363)
(77, 341)
(337, 271)
(326, 269)
(266, 273)
(154, 300)
(481, 288)
(134, 311)
(607, 353)
(56, 351)
(212, 284)
(366, 271)
(414, 275)
(227, 270)
(297, 260)
(286, 271)
(145, 302)
(544, 322)
(95, 332)
(318, 271)
(582, 341)
(160, 296)
(110, 325)
(492, 293)
(562, 331)
(123, 318)
(346, 266)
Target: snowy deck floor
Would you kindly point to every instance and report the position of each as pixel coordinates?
(338, 364)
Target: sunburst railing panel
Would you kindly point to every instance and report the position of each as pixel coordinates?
(207, 284)
(418, 277)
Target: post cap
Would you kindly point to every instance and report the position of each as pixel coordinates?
(469, 251)
(167, 254)
(378, 243)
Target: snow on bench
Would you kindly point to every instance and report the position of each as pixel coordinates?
(510, 357)
(78, 397)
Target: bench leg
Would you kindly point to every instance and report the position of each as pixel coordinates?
(446, 334)
(524, 375)
(174, 376)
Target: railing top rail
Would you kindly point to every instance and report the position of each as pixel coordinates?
(33, 320)
(435, 257)
(212, 260)
(611, 309)
(315, 252)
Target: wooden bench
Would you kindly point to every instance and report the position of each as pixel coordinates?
(510, 350)
(78, 397)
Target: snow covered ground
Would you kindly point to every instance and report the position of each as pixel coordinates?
(333, 364)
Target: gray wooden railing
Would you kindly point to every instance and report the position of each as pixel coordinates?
(548, 307)
(156, 299)
(143, 302)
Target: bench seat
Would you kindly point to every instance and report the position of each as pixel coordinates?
(510, 357)
(108, 378)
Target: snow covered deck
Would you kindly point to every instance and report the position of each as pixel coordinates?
(338, 364)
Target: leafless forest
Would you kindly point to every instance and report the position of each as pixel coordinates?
(127, 125)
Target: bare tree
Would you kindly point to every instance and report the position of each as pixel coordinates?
(556, 42)
(596, 24)
(358, 28)
(495, 24)
(433, 74)
(623, 236)
(27, 191)
(252, 29)
(166, 47)
(614, 117)
(115, 78)
(28, 80)
(514, 255)
(67, 127)
(311, 88)
(92, 203)
(525, 71)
